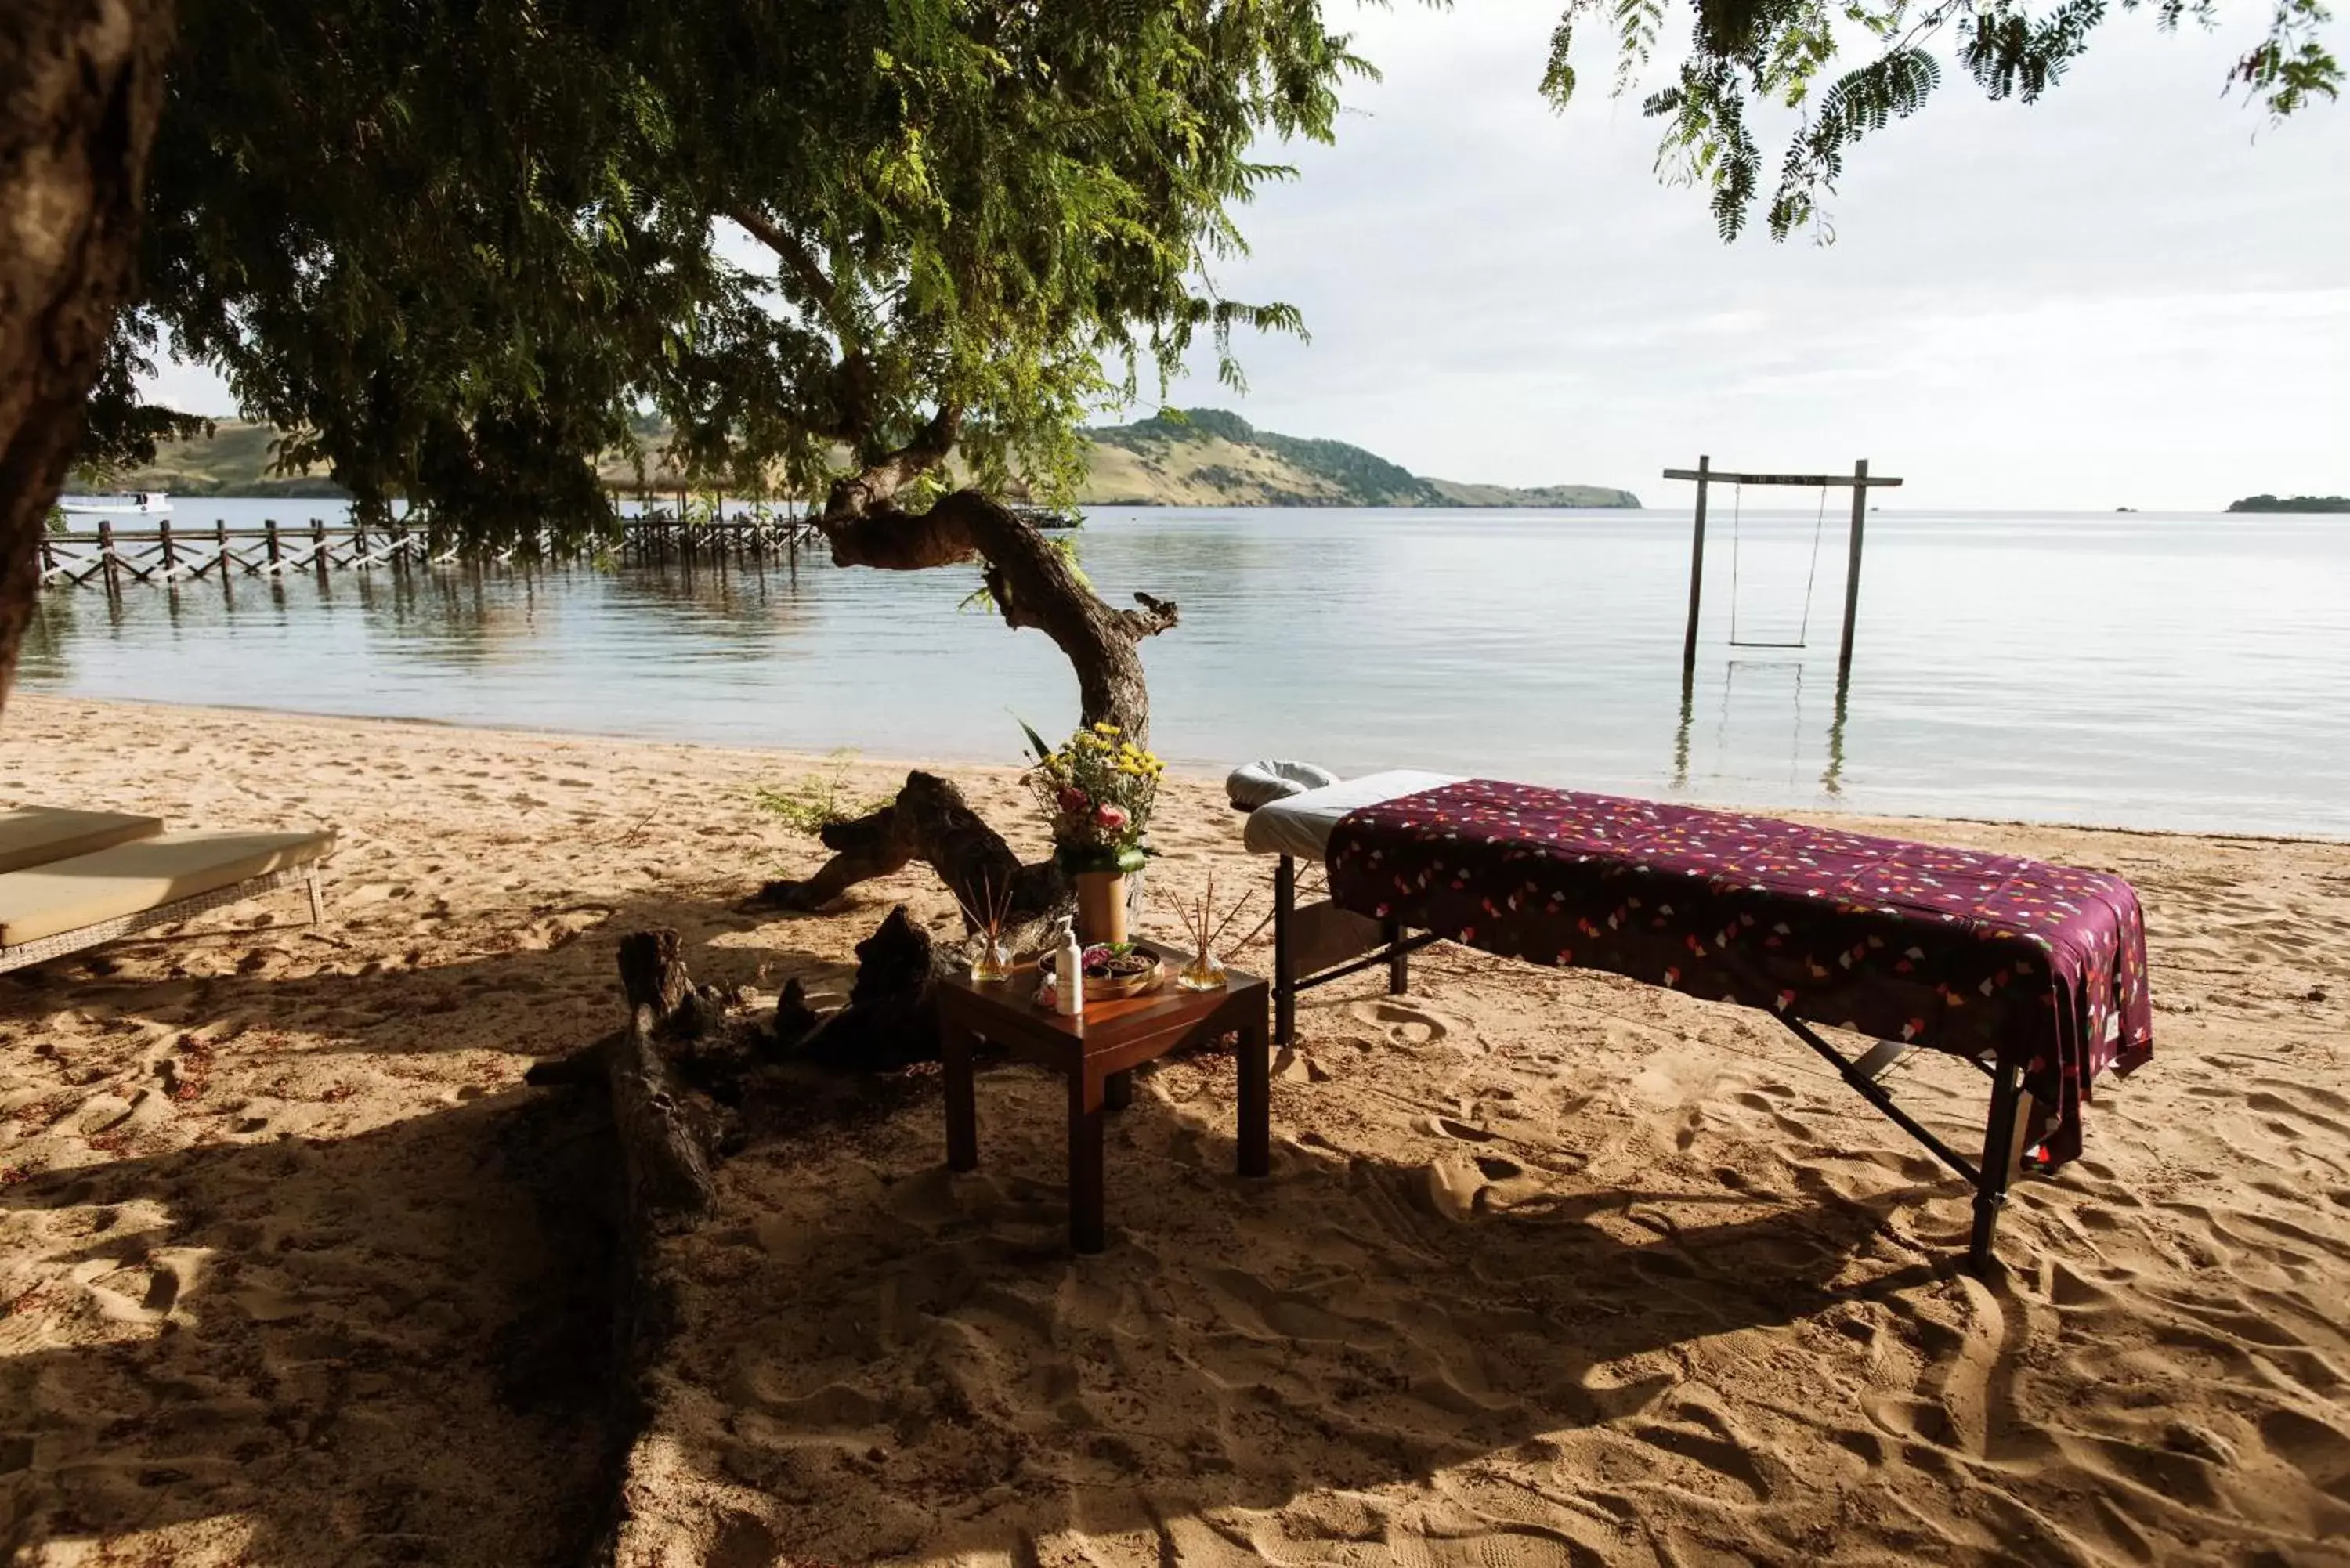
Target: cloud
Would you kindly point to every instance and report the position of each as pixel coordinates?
(2129, 292)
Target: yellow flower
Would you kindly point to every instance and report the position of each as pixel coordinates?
(1105, 728)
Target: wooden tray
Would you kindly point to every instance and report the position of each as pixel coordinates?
(1099, 989)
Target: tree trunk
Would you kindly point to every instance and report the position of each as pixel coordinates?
(81, 85)
(1032, 584)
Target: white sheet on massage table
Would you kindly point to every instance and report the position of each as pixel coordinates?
(1301, 824)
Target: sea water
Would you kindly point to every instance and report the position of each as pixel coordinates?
(2156, 671)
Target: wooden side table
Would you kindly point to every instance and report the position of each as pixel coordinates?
(1097, 1053)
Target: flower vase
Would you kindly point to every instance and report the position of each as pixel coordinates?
(1101, 907)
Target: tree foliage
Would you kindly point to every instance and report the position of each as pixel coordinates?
(1750, 55)
(464, 247)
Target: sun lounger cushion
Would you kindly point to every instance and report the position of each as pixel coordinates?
(146, 874)
(1301, 824)
(36, 835)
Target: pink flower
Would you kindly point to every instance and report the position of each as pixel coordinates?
(1074, 801)
(1111, 818)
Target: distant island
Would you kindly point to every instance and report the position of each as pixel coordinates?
(1212, 457)
(2291, 503)
(1208, 457)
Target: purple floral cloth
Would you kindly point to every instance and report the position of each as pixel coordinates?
(1987, 956)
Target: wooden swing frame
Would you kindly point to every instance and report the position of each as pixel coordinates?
(1860, 482)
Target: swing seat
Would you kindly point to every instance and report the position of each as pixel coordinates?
(1803, 638)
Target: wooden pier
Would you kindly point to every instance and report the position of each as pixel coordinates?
(165, 554)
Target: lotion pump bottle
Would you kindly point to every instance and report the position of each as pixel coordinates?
(1069, 975)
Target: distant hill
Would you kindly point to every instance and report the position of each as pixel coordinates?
(233, 461)
(1212, 457)
(1208, 458)
(2291, 503)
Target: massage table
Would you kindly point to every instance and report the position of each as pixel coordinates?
(2033, 973)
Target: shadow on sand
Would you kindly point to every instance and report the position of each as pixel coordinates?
(331, 1352)
(387, 1347)
(911, 1364)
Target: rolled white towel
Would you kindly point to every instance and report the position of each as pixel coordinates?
(1269, 779)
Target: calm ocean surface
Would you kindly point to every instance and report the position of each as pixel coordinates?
(2147, 670)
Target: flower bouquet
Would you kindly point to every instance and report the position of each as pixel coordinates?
(1096, 790)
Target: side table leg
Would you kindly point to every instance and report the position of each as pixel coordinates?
(1118, 1090)
(1284, 951)
(1086, 1226)
(1255, 1056)
(962, 1100)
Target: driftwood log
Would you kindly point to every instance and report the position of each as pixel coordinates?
(891, 1019)
(667, 1148)
(668, 1135)
(931, 822)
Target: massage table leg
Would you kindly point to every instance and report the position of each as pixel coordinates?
(2001, 1132)
(1285, 955)
(1398, 959)
(1998, 1162)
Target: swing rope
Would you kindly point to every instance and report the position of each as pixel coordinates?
(1811, 577)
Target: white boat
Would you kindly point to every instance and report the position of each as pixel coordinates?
(144, 503)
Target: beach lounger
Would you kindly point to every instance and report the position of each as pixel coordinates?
(36, 834)
(63, 906)
(2033, 973)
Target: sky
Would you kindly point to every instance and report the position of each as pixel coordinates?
(2134, 293)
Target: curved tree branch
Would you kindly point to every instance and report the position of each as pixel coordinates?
(1033, 585)
(1155, 616)
(877, 482)
(802, 264)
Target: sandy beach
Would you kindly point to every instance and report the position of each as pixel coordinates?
(1552, 1268)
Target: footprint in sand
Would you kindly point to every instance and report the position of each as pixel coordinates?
(143, 1290)
(1451, 1186)
(1445, 1127)
(1406, 1024)
(2308, 1092)
(1291, 1067)
(2316, 1450)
